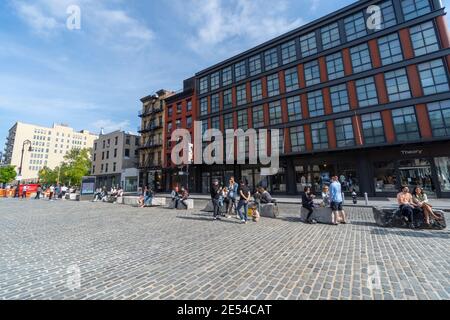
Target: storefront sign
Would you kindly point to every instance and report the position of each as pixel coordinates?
(411, 152)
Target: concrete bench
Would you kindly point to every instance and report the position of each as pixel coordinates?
(320, 214)
(131, 201)
(269, 210)
(189, 202)
(391, 217)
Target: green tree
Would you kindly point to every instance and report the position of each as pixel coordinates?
(77, 164)
(48, 176)
(7, 174)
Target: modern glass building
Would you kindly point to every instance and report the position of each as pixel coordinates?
(369, 103)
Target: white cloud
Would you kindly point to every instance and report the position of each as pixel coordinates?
(109, 125)
(314, 5)
(218, 21)
(100, 20)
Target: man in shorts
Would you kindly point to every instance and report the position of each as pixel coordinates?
(338, 213)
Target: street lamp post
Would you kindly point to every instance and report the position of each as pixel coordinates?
(26, 142)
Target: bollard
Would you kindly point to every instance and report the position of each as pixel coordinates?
(366, 197)
(343, 198)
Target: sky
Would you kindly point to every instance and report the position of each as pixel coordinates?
(93, 77)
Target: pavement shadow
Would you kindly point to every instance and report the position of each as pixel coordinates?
(364, 223)
(207, 218)
(412, 233)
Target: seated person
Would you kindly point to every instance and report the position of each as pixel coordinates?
(148, 196)
(420, 199)
(184, 195)
(98, 195)
(175, 195)
(406, 205)
(265, 196)
(308, 203)
(326, 199)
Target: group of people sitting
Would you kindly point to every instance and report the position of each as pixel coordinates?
(237, 197)
(416, 203)
(179, 197)
(102, 194)
(331, 197)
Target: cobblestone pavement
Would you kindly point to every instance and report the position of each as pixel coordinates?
(129, 253)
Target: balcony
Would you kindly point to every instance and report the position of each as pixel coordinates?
(150, 164)
(150, 128)
(146, 113)
(151, 145)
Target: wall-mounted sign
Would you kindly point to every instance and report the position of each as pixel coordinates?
(411, 152)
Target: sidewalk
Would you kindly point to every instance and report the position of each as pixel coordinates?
(442, 204)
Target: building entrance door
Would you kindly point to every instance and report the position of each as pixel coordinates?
(417, 172)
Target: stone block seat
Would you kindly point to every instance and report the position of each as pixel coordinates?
(269, 210)
(320, 214)
(391, 217)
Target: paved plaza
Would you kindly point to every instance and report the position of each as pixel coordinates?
(83, 250)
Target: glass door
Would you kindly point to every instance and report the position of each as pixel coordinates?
(417, 172)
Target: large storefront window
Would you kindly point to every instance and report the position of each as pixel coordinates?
(348, 177)
(416, 172)
(131, 184)
(278, 181)
(385, 177)
(443, 173)
(206, 182)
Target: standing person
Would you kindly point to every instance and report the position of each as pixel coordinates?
(38, 193)
(232, 197)
(52, 193)
(63, 192)
(216, 191)
(308, 204)
(406, 205)
(326, 196)
(24, 192)
(244, 198)
(337, 202)
(184, 197)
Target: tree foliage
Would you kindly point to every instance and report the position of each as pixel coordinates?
(77, 164)
(7, 174)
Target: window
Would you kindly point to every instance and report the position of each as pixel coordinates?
(360, 57)
(114, 166)
(297, 139)
(116, 141)
(203, 85)
(169, 112)
(424, 39)
(335, 66)
(258, 117)
(319, 135)
(373, 129)
(433, 77)
(315, 103)
(95, 156)
(308, 45)
(271, 59)
(215, 103)
(242, 120)
(215, 123)
(275, 115)
(339, 98)
(355, 26)
(227, 99)
(367, 92)
(215, 81)
(273, 85)
(256, 90)
(387, 14)
(228, 122)
(397, 85)
(415, 8)
(330, 36)
(294, 108)
(227, 76)
(239, 71)
(254, 64)
(179, 108)
(204, 106)
(344, 132)
(241, 94)
(115, 153)
(189, 106)
(127, 153)
(440, 118)
(288, 52)
(189, 122)
(405, 124)
(390, 49)
(312, 73)
(291, 79)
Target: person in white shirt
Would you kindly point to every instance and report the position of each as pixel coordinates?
(52, 192)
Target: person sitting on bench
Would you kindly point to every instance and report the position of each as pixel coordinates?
(175, 196)
(406, 205)
(183, 198)
(308, 203)
(148, 197)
